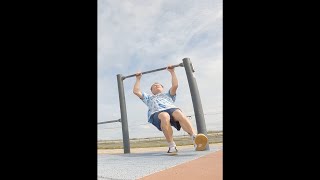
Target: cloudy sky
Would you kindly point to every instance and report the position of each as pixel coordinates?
(139, 35)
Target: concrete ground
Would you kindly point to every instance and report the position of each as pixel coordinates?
(154, 163)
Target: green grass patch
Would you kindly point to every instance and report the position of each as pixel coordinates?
(213, 137)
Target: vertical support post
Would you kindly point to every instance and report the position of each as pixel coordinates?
(196, 101)
(124, 122)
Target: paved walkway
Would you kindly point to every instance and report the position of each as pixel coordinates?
(208, 167)
(156, 164)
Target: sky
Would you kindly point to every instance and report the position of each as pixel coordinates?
(139, 35)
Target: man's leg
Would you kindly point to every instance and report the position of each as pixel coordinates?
(184, 121)
(167, 131)
(186, 126)
(166, 126)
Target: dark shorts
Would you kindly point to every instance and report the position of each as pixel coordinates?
(157, 123)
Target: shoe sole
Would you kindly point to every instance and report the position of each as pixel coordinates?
(201, 141)
(173, 153)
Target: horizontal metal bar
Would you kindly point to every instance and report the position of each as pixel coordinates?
(105, 122)
(146, 72)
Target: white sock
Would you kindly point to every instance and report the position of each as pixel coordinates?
(172, 144)
(193, 136)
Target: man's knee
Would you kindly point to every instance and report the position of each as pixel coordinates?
(177, 114)
(164, 117)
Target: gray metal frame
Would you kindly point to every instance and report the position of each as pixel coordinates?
(197, 106)
(105, 122)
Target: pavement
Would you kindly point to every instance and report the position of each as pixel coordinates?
(154, 163)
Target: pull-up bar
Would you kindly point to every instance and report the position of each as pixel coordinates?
(146, 72)
(197, 106)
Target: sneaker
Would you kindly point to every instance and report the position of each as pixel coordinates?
(200, 142)
(193, 141)
(172, 150)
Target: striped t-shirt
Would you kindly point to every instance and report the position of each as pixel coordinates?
(158, 102)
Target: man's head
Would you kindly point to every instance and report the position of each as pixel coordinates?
(156, 88)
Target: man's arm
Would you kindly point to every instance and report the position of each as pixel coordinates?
(174, 78)
(136, 87)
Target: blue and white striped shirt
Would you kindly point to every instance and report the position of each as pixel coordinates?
(158, 102)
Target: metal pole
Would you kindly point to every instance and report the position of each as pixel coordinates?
(197, 106)
(124, 122)
(146, 72)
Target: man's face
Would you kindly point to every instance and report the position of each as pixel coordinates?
(156, 88)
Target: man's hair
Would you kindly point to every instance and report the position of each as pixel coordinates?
(153, 84)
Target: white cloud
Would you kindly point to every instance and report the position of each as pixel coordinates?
(138, 35)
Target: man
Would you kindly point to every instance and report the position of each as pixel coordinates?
(162, 113)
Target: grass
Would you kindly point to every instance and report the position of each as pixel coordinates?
(213, 137)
